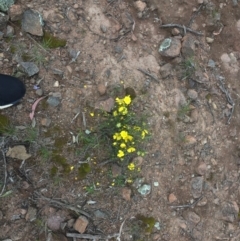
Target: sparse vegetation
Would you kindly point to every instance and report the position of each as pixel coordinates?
(189, 68)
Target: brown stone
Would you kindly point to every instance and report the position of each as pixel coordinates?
(201, 168)
(81, 224)
(106, 105)
(166, 70)
(45, 122)
(190, 140)
(188, 46)
(173, 50)
(101, 89)
(18, 152)
(175, 32)
(172, 198)
(140, 6)
(15, 12)
(116, 170)
(126, 193)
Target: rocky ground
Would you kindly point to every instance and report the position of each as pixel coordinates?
(181, 60)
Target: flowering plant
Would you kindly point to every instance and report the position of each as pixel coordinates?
(126, 129)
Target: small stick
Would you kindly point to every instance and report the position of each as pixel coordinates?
(5, 172)
(120, 231)
(195, 14)
(37, 43)
(94, 237)
(75, 117)
(229, 99)
(148, 74)
(188, 205)
(84, 120)
(182, 27)
(61, 204)
(211, 111)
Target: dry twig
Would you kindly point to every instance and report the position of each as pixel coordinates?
(190, 205)
(93, 237)
(5, 172)
(148, 74)
(228, 96)
(185, 29)
(56, 203)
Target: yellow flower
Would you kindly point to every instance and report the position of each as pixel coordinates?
(125, 136)
(137, 128)
(115, 113)
(119, 101)
(127, 99)
(129, 180)
(123, 145)
(92, 114)
(123, 110)
(120, 154)
(131, 166)
(118, 125)
(144, 132)
(131, 149)
(117, 136)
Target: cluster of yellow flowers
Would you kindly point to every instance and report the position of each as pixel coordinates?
(125, 138)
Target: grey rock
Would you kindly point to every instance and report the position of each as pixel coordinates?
(5, 4)
(145, 189)
(197, 186)
(1, 35)
(211, 63)
(193, 218)
(53, 101)
(58, 72)
(30, 68)
(31, 214)
(138, 182)
(57, 95)
(118, 49)
(54, 222)
(73, 54)
(103, 28)
(3, 21)
(192, 94)
(234, 2)
(166, 70)
(100, 214)
(39, 92)
(32, 22)
(230, 211)
(170, 47)
(10, 31)
(188, 46)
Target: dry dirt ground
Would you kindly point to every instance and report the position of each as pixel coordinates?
(193, 156)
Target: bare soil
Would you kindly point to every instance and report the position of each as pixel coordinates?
(192, 138)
